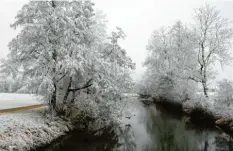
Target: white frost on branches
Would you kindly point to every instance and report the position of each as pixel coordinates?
(182, 58)
(63, 49)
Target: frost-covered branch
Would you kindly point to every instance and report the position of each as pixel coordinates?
(88, 84)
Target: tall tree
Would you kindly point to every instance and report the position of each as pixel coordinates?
(63, 48)
(171, 60)
(53, 43)
(213, 40)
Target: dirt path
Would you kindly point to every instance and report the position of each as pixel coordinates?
(21, 108)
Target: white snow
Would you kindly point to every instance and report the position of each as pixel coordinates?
(30, 118)
(22, 131)
(11, 100)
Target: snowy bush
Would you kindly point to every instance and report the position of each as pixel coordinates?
(224, 93)
(171, 88)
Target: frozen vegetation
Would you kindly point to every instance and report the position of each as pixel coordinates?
(21, 131)
(181, 63)
(63, 51)
(64, 54)
(181, 59)
(25, 130)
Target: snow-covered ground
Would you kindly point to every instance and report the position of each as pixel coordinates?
(30, 118)
(25, 130)
(11, 100)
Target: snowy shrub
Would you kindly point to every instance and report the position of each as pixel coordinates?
(224, 93)
(172, 88)
(184, 90)
(95, 111)
(165, 87)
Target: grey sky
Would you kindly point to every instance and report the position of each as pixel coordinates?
(138, 18)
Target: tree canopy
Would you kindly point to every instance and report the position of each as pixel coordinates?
(63, 48)
(180, 57)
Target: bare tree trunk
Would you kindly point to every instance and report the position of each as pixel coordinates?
(54, 94)
(67, 91)
(203, 68)
(205, 88)
(204, 83)
(53, 101)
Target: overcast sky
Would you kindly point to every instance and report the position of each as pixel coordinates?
(138, 18)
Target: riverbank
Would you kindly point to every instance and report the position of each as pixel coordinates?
(35, 129)
(26, 130)
(207, 114)
(145, 128)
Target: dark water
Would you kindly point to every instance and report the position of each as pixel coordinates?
(148, 129)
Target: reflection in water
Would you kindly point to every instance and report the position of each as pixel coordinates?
(149, 130)
(222, 144)
(171, 135)
(126, 139)
(82, 141)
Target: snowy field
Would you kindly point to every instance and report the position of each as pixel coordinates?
(12, 100)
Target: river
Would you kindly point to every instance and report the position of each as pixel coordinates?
(147, 129)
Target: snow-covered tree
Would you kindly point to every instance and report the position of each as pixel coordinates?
(184, 57)
(63, 48)
(212, 39)
(112, 72)
(52, 42)
(171, 61)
